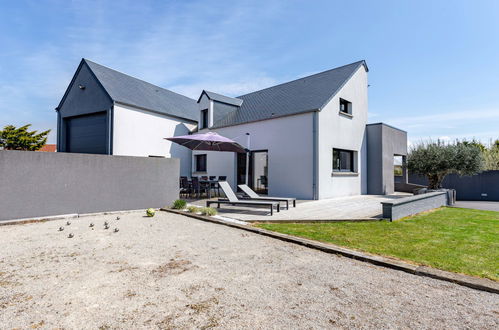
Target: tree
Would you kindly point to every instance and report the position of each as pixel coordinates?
(436, 159)
(12, 138)
(491, 156)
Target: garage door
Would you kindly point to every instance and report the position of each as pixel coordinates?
(87, 134)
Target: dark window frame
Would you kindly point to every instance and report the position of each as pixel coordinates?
(201, 162)
(204, 119)
(345, 107)
(339, 162)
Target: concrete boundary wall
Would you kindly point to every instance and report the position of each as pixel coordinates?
(481, 187)
(38, 184)
(404, 207)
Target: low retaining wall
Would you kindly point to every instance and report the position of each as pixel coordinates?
(404, 207)
(38, 184)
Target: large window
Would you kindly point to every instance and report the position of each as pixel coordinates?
(343, 160)
(345, 106)
(204, 118)
(200, 163)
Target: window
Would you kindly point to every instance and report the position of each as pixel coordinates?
(343, 160)
(200, 163)
(204, 118)
(345, 106)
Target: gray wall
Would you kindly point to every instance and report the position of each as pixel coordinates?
(78, 101)
(35, 184)
(383, 143)
(404, 207)
(480, 187)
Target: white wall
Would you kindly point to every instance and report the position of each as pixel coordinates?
(289, 142)
(141, 133)
(343, 132)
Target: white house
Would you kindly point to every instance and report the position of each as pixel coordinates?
(309, 138)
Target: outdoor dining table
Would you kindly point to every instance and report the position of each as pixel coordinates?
(208, 183)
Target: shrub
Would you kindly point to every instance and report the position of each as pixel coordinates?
(208, 211)
(193, 209)
(179, 204)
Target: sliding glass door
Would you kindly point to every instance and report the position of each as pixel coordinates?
(258, 170)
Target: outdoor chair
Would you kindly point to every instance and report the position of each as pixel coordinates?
(216, 185)
(185, 187)
(198, 188)
(233, 200)
(254, 196)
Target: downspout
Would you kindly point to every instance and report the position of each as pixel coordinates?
(315, 156)
(59, 132)
(110, 128)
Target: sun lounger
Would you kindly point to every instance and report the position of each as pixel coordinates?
(233, 200)
(254, 196)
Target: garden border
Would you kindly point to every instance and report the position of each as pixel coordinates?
(461, 279)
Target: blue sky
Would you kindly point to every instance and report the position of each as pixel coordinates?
(434, 68)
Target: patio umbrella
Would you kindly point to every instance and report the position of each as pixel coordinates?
(208, 141)
(213, 142)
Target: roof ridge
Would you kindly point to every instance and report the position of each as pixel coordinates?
(142, 80)
(231, 97)
(314, 74)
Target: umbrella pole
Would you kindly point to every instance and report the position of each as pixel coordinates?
(247, 158)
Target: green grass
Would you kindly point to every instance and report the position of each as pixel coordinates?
(453, 239)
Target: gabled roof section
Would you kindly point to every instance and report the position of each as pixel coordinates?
(131, 91)
(221, 98)
(306, 94)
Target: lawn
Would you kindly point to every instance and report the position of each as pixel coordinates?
(453, 239)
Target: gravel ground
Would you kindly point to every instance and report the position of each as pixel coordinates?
(172, 271)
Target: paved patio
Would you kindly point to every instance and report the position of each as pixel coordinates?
(343, 208)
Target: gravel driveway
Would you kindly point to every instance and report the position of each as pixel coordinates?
(176, 272)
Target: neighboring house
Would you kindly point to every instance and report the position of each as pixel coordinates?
(49, 148)
(309, 138)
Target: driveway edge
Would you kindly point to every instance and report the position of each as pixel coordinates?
(464, 280)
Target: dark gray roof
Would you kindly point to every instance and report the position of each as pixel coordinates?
(221, 110)
(135, 92)
(221, 98)
(306, 94)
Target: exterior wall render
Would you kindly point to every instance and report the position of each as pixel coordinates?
(37, 184)
(91, 98)
(341, 131)
(142, 133)
(289, 141)
(384, 142)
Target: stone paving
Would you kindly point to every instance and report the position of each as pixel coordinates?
(341, 208)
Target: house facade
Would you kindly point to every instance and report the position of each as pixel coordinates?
(308, 138)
